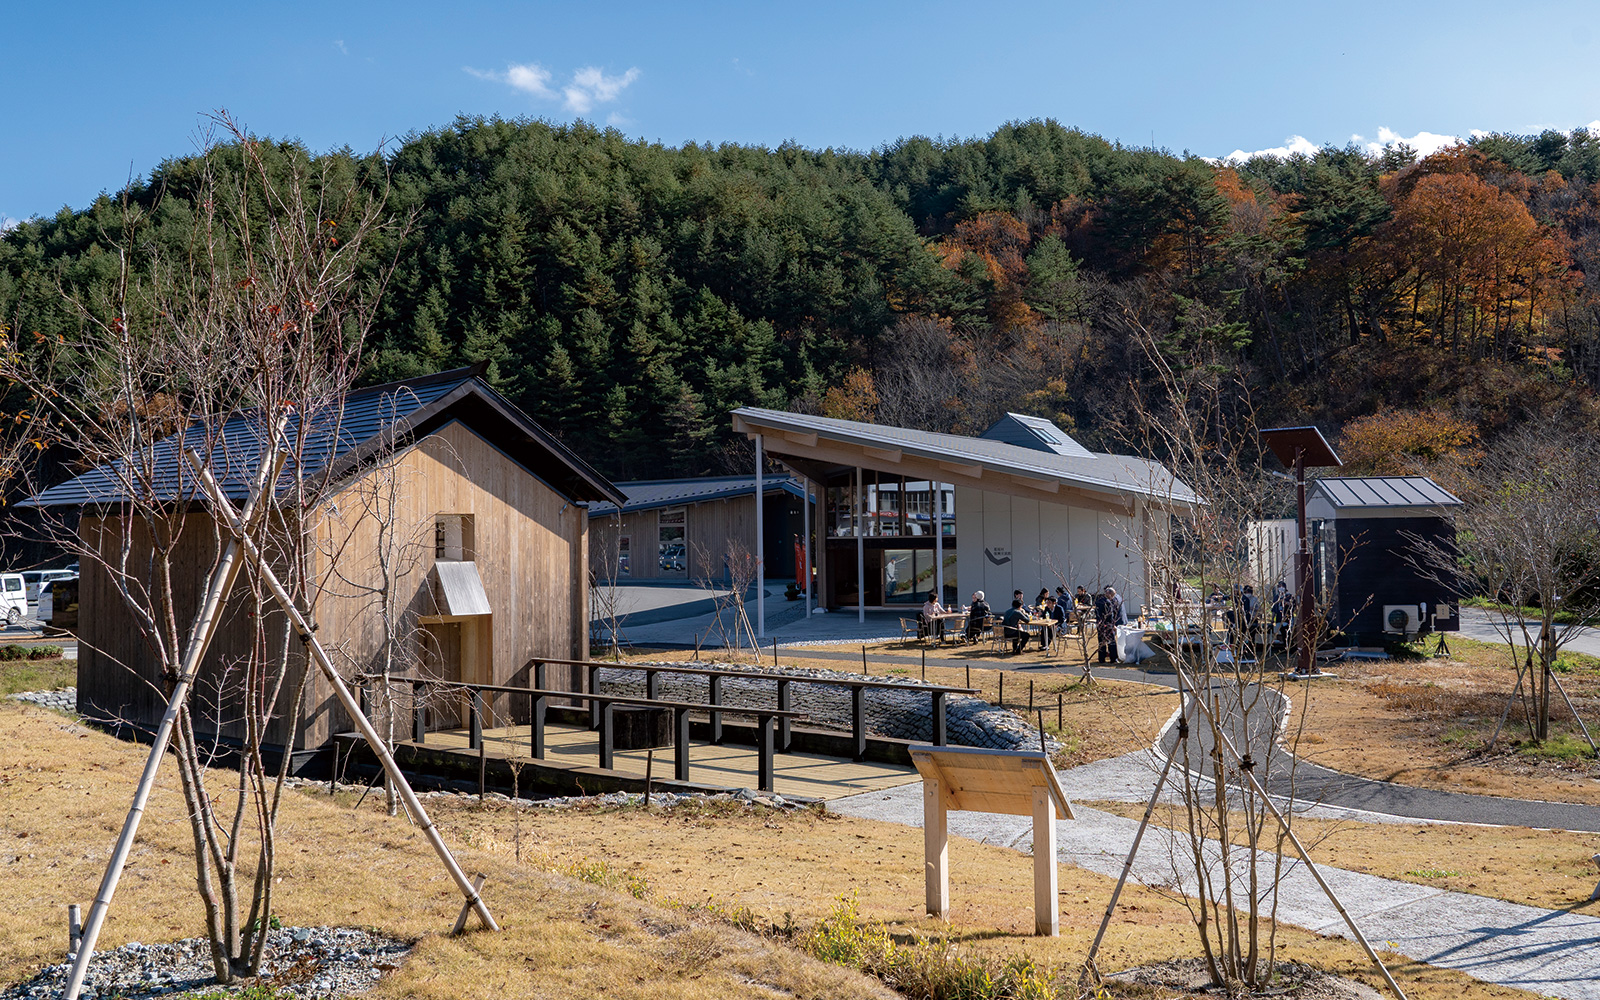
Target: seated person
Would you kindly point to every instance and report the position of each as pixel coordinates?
(1038, 602)
(977, 616)
(1057, 616)
(1013, 622)
(931, 609)
(1081, 599)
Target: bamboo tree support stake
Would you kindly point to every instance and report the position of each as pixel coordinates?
(1127, 866)
(1311, 866)
(320, 656)
(200, 635)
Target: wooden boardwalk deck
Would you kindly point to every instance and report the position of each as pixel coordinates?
(729, 766)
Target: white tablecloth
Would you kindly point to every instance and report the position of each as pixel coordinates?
(1131, 647)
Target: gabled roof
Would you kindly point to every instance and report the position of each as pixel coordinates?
(1111, 474)
(1384, 491)
(1036, 433)
(650, 494)
(340, 439)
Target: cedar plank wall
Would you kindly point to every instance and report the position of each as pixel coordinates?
(118, 676)
(530, 550)
(709, 526)
(528, 543)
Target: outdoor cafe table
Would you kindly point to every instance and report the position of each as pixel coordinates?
(946, 625)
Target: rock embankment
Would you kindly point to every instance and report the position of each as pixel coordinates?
(65, 700)
(894, 714)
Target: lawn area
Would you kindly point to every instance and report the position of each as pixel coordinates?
(602, 903)
(1548, 868)
(1427, 723)
(37, 675)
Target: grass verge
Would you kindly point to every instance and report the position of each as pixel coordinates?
(51, 674)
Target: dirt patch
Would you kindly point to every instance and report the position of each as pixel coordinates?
(1190, 978)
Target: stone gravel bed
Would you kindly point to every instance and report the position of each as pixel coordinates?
(65, 700)
(301, 961)
(903, 715)
(662, 800)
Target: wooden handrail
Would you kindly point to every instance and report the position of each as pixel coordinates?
(795, 678)
(615, 699)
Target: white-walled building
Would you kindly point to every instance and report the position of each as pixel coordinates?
(1022, 506)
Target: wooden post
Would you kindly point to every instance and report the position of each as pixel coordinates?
(1002, 698)
(940, 725)
(1030, 694)
(969, 675)
(761, 553)
(924, 664)
(716, 716)
(649, 773)
(936, 849)
(864, 669)
(1046, 909)
(1061, 712)
(774, 652)
(785, 724)
(764, 753)
(219, 502)
(680, 741)
(858, 721)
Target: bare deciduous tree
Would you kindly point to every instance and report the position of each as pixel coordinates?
(237, 342)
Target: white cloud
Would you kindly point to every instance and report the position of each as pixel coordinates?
(1425, 143)
(7, 223)
(1294, 144)
(618, 121)
(338, 43)
(589, 86)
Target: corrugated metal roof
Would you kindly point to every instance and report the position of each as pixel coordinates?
(649, 494)
(1385, 491)
(1103, 473)
(1036, 433)
(335, 437)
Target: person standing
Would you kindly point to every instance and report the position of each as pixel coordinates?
(1108, 614)
(1013, 622)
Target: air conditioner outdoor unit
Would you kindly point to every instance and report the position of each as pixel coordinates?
(1405, 619)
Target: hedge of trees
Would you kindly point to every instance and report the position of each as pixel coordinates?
(629, 294)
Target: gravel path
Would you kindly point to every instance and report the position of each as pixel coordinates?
(302, 961)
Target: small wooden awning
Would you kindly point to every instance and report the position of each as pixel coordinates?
(460, 590)
(992, 781)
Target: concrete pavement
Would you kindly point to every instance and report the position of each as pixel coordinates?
(1547, 951)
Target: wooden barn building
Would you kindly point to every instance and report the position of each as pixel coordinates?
(488, 528)
(682, 529)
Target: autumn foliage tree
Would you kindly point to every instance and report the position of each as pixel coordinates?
(1396, 442)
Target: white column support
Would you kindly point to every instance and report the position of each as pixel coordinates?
(805, 515)
(761, 551)
(938, 537)
(861, 550)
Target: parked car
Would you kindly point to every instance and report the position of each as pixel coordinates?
(36, 578)
(13, 597)
(58, 604)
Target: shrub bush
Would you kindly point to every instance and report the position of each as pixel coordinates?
(44, 653)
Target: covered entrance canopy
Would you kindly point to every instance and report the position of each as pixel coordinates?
(1024, 506)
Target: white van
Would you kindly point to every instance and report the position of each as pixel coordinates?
(36, 578)
(13, 597)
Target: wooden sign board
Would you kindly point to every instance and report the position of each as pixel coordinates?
(993, 781)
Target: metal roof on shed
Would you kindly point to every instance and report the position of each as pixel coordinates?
(1385, 491)
(649, 494)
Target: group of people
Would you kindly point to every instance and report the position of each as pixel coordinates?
(1055, 610)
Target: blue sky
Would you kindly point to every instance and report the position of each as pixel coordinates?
(96, 92)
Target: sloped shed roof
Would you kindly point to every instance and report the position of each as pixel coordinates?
(1384, 491)
(338, 439)
(649, 494)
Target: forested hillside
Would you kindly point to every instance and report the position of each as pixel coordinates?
(629, 294)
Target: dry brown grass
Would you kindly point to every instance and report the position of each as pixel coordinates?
(63, 790)
(1099, 720)
(1425, 723)
(1534, 867)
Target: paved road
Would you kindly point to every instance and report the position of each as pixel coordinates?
(1486, 626)
(1309, 783)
